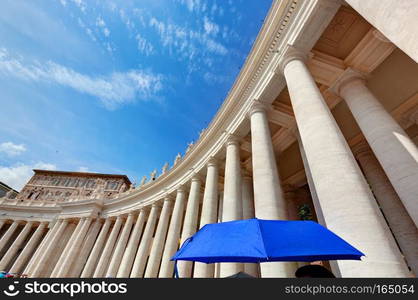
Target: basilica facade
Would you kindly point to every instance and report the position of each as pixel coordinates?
(321, 123)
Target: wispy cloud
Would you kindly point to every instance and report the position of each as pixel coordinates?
(214, 79)
(102, 25)
(11, 149)
(210, 27)
(81, 5)
(83, 169)
(17, 175)
(113, 90)
(185, 41)
(144, 46)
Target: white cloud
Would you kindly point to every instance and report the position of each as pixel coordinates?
(114, 89)
(185, 42)
(81, 5)
(100, 22)
(214, 79)
(63, 2)
(16, 176)
(83, 169)
(12, 149)
(144, 46)
(210, 27)
(106, 31)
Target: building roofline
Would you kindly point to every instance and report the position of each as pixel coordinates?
(74, 173)
(7, 186)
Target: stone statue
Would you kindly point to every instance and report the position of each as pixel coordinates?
(130, 189)
(165, 168)
(153, 175)
(143, 180)
(178, 157)
(201, 132)
(189, 146)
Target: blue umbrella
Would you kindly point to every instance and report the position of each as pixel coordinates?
(255, 241)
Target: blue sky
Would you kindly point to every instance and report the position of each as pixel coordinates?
(114, 86)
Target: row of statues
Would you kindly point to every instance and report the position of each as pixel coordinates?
(153, 175)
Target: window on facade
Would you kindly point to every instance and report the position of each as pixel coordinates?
(72, 182)
(90, 183)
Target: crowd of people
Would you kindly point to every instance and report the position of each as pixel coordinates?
(5, 274)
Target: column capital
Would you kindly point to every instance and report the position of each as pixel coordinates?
(168, 198)
(196, 178)
(212, 162)
(181, 189)
(156, 204)
(349, 75)
(291, 53)
(232, 139)
(258, 106)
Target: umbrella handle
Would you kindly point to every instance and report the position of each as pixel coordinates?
(176, 271)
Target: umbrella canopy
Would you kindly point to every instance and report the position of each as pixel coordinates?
(241, 275)
(256, 240)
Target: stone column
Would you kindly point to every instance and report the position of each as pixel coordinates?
(268, 195)
(401, 224)
(232, 205)
(173, 235)
(144, 247)
(209, 213)
(347, 204)
(33, 261)
(120, 247)
(74, 248)
(29, 249)
(397, 20)
(83, 254)
(107, 251)
(190, 224)
(8, 234)
(312, 188)
(159, 240)
(18, 242)
(94, 256)
(248, 213)
(48, 251)
(129, 255)
(395, 151)
(65, 251)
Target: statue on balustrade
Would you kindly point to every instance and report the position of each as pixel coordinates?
(178, 157)
(165, 168)
(144, 179)
(153, 175)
